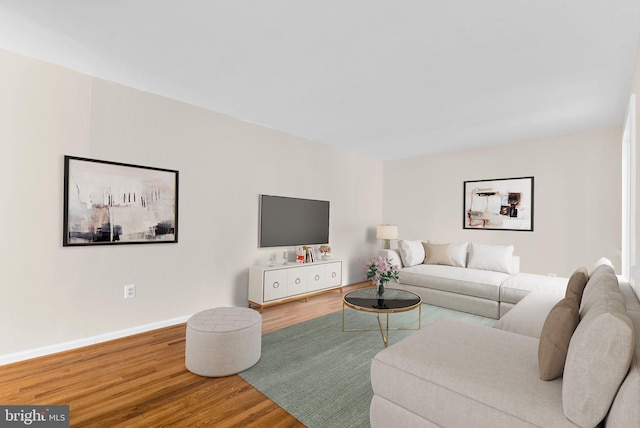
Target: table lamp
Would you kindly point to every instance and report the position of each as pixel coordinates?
(387, 232)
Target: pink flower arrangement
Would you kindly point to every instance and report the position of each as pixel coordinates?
(380, 270)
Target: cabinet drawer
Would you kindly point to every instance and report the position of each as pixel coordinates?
(334, 274)
(275, 285)
(317, 277)
(297, 281)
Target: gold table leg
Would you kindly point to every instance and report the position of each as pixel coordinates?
(384, 331)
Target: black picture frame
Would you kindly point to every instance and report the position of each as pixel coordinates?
(112, 203)
(499, 204)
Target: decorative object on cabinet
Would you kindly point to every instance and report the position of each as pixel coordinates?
(325, 250)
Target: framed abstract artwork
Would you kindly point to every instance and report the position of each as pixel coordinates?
(110, 203)
(499, 204)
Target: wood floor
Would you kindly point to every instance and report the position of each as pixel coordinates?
(141, 380)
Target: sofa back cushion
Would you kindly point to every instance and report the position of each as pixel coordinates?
(555, 336)
(498, 258)
(411, 252)
(459, 253)
(392, 255)
(625, 410)
(600, 351)
(602, 282)
(577, 282)
(601, 261)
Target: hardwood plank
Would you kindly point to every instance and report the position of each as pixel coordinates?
(141, 380)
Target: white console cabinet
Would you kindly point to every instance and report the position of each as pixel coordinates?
(272, 285)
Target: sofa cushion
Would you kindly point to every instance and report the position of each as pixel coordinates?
(520, 285)
(481, 376)
(555, 337)
(528, 316)
(630, 298)
(625, 410)
(437, 254)
(472, 282)
(601, 261)
(411, 252)
(383, 414)
(496, 258)
(602, 282)
(576, 284)
(600, 351)
(459, 302)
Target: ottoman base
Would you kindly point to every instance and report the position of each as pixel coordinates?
(223, 341)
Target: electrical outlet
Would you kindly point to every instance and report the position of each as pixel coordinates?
(129, 291)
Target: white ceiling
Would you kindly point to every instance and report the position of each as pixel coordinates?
(388, 79)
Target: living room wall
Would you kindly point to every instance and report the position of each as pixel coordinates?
(635, 89)
(55, 297)
(577, 214)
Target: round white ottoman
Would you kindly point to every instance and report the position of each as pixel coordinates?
(223, 341)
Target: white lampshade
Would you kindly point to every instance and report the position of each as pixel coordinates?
(387, 232)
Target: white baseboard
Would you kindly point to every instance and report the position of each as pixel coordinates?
(79, 343)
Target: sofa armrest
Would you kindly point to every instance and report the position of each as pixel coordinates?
(392, 255)
(528, 316)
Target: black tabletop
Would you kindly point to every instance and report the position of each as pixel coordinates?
(392, 299)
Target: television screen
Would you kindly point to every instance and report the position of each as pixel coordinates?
(286, 222)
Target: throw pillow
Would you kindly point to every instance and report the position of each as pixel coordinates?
(411, 252)
(437, 254)
(458, 253)
(555, 336)
(576, 284)
(491, 257)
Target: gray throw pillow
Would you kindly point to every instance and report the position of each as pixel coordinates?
(576, 284)
(555, 337)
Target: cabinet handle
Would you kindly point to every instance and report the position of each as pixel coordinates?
(276, 284)
(297, 280)
(333, 274)
(317, 277)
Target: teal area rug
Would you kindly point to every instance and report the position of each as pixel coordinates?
(321, 375)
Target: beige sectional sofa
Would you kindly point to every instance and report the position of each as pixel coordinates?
(458, 374)
(469, 277)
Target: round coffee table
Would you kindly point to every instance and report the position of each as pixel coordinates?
(392, 301)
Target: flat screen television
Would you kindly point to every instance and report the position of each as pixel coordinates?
(286, 222)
